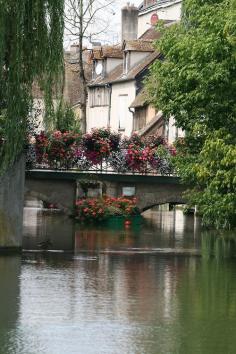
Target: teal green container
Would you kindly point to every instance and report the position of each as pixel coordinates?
(119, 221)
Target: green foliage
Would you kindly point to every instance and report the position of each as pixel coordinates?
(31, 49)
(213, 174)
(196, 82)
(197, 79)
(65, 119)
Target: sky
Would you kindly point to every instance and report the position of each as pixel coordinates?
(135, 2)
(113, 30)
(115, 27)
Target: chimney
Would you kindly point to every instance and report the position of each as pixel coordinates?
(129, 19)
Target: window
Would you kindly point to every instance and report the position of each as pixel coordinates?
(122, 111)
(98, 96)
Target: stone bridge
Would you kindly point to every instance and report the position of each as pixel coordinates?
(63, 187)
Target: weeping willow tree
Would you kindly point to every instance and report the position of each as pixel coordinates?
(31, 50)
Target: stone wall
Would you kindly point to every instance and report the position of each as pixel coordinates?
(11, 205)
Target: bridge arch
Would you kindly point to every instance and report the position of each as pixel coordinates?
(59, 192)
(35, 195)
(148, 207)
(60, 187)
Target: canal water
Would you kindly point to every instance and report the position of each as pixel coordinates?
(161, 287)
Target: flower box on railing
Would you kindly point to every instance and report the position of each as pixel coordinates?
(101, 151)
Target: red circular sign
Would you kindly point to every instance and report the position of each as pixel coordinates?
(154, 19)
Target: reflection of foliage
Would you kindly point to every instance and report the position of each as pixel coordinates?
(207, 306)
(218, 246)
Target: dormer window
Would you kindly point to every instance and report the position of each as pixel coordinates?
(98, 68)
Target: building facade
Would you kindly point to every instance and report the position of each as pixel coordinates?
(152, 10)
(111, 93)
(116, 93)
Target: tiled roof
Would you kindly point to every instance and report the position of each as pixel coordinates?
(107, 52)
(95, 53)
(139, 45)
(112, 52)
(117, 75)
(111, 77)
(153, 34)
(140, 100)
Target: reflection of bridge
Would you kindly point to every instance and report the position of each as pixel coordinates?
(63, 187)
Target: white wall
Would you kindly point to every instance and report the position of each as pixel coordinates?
(97, 117)
(164, 12)
(112, 63)
(123, 88)
(137, 57)
(172, 132)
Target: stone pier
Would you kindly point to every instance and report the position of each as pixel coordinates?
(11, 206)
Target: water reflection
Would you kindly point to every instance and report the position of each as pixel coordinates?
(122, 304)
(112, 294)
(9, 296)
(159, 230)
(208, 308)
(168, 230)
(41, 225)
(218, 245)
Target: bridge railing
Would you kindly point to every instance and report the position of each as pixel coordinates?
(114, 164)
(101, 151)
